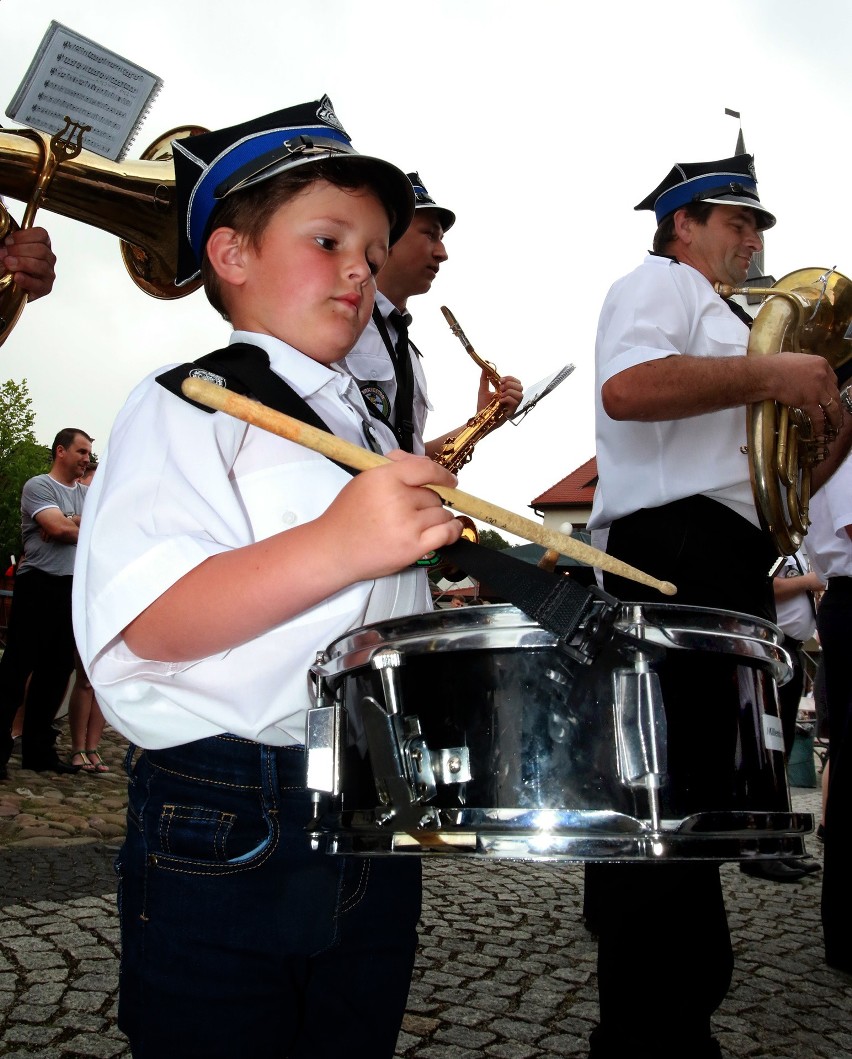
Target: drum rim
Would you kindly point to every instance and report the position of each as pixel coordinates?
(503, 626)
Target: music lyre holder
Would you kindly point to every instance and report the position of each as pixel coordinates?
(64, 145)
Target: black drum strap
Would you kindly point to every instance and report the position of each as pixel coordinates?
(580, 617)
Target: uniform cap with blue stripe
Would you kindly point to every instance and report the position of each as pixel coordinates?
(728, 181)
(214, 165)
(423, 200)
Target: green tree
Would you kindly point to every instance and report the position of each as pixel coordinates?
(492, 539)
(21, 457)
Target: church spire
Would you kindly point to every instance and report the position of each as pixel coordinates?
(757, 262)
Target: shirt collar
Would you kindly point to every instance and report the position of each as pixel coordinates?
(306, 376)
(386, 306)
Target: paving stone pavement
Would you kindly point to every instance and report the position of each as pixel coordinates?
(505, 967)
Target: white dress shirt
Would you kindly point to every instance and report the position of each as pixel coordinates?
(665, 309)
(370, 364)
(827, 543)
(177, 485)
(795, 615)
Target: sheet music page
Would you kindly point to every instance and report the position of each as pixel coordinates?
(73, 75)
(533, 394)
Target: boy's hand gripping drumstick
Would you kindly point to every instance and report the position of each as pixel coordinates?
(259, 415)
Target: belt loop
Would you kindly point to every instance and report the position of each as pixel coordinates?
(269, 779)
(128, 758)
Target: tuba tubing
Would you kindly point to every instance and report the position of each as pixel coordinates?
(134, 200)
(807, 311)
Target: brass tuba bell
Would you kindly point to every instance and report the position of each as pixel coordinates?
(134, 200)
(807, 311)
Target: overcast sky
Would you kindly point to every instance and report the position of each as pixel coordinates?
(541, 124)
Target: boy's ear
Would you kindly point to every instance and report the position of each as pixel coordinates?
(225, 253)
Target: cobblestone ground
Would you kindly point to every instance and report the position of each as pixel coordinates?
(505, 967)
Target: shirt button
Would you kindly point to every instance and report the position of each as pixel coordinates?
(288, 518)
(374, 374)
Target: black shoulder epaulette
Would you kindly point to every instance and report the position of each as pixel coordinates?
(244, 368)
(221, 367)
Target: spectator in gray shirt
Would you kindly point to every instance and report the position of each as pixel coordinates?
(40, 641)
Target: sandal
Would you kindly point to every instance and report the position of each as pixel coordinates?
(80, 766)
(96, 762)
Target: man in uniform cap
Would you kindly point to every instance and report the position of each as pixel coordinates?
(385, 364)
(674, 498)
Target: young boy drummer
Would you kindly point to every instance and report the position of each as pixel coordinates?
(215, 560)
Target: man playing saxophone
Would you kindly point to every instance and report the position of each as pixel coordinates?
(385, 364)
(674, 497)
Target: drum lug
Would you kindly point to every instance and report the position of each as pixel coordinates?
(640, 730)
(322, 743)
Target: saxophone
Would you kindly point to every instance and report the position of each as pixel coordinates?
(458, 450)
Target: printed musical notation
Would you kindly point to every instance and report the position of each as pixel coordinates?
(94, 86)
(533, 394)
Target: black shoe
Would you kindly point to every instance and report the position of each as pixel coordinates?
(605, 1046)
(820, 833)
(790, 870)
(591, 926)
(841, 965)
(51, 765)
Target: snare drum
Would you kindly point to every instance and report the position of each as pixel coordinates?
(473, 732)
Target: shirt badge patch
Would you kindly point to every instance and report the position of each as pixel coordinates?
(377, 397)
(208, 376)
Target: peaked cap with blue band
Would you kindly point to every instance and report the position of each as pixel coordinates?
(729, 181)
(213, 165)
(423, 200)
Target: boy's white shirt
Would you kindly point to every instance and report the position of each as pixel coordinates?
(177, 485)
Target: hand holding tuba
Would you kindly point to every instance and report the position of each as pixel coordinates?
(807, 311)
(65, 144)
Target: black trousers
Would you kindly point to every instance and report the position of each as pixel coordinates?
(790, 694)
(39, 648)
(664, 945)
(834, 623)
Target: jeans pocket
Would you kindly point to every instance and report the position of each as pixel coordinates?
(196, 832)
(188, 837)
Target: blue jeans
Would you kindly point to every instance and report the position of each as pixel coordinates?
(237, 938)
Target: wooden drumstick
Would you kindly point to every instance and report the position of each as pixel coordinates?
(259, 415)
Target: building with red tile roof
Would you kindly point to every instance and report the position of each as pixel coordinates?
(570, 500)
